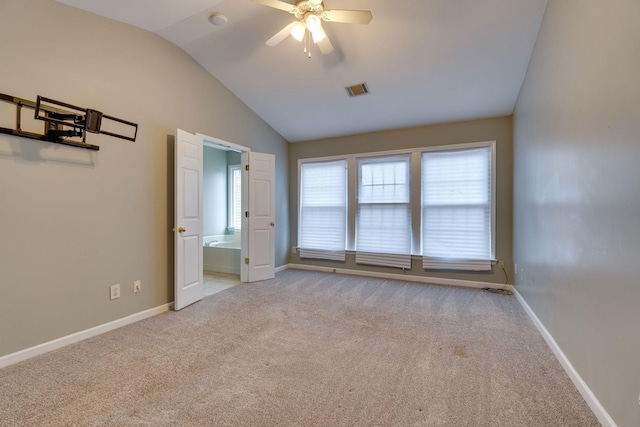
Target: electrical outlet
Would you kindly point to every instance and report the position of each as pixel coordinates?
(137, 286)
(114, 292)
(293, 249)
(501, 264)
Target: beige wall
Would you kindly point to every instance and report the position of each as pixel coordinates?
(498, 129)
(72, 221)
(577, 197)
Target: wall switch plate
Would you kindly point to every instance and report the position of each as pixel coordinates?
(114, 292)
(137, 286)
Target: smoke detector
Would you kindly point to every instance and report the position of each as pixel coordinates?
(218, 19)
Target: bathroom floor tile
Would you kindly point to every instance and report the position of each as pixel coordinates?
(216, 282)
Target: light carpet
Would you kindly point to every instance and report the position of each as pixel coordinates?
(307, 349)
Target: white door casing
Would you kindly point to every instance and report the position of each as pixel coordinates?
(261, 216)
(188, 219)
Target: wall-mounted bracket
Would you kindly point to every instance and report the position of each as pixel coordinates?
(70, 122)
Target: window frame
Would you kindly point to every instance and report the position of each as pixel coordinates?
(301, 163)
(415, 190)
(491, 145)
(405, 158)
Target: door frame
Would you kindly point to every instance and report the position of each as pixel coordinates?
(213, 142)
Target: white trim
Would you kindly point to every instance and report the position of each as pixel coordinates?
(406, 277)
(211, 141)
(56, 344)
(595, 405)
(282, 268)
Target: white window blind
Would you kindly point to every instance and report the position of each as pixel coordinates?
(383, 222)
(456, 209)
(235, 197)
(323, 210)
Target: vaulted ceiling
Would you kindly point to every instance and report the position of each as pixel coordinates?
(424, 61)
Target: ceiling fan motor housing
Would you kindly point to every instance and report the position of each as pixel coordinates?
(305, 7)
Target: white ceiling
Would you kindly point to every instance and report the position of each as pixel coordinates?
(425, 61)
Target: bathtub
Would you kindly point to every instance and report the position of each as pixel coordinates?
(221, 253)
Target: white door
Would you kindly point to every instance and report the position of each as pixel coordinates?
(188, 219)
(261, 216)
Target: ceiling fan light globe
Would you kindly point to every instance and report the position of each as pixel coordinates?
(315, 2)
(313, 22)
(298, 31)
(319, 35)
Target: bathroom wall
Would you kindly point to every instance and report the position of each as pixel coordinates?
(234, 158)
(214, 191)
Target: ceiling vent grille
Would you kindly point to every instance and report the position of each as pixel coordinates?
(357, 90)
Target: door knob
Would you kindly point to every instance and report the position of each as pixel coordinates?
(273, 224)
(181, 230)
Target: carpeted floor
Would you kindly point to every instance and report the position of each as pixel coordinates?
(307, 349)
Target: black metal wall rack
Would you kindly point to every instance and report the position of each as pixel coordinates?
(63, 121)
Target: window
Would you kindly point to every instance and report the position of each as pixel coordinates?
(435, 202)
(384, 210)
(235, 197)
(456, 205)
(323, 210)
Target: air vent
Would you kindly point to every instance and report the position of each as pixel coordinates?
(357, 90)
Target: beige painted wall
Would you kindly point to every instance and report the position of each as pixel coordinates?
(498, 129)
(73, 222)
(577, 202)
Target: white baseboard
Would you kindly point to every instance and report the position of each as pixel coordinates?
(28, 353)
(282, 268)
(407, 277)
(577, 380)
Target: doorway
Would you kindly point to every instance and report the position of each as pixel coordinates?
(222, 217)
(257, 214)
(221, 209)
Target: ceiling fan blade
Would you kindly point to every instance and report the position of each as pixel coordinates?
(325, 46)
(348, 16)
(277, 4)
(281, 35)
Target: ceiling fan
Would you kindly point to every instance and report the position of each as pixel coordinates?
(309, 15)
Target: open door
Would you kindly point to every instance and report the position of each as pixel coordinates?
(261, 259)
(188, 219)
